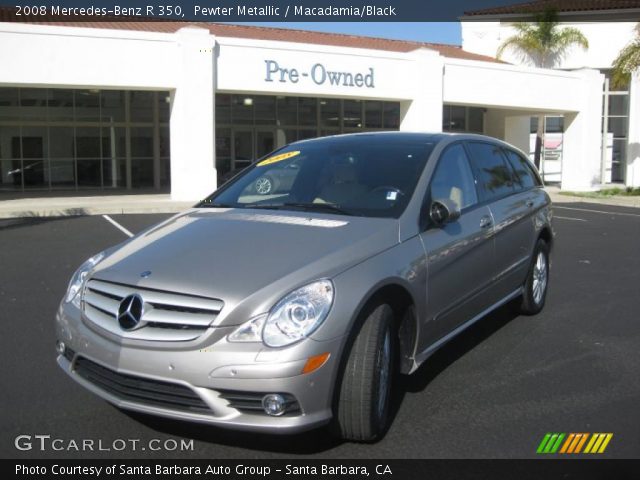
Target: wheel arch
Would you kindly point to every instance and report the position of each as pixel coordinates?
(546, 235)
(398, 296)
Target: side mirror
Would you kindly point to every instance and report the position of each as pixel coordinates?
(443, 211)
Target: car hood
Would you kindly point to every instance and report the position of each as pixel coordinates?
(245, 256)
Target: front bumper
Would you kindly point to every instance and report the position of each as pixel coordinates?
(208, 370)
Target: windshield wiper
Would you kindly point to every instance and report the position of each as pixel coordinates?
(327, 207)
(216, 205)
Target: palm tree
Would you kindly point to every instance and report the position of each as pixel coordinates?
(544, 43)
(627, 61)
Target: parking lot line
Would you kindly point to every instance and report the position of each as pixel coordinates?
(117, 225)
(570, 218)
(598, 211)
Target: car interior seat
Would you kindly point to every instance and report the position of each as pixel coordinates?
(342, 187)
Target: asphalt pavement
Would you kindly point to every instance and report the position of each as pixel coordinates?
(493, 392)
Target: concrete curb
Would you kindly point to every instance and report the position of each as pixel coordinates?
(77, 206)
(630, 202)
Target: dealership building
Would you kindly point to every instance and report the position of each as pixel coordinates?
(125, 107)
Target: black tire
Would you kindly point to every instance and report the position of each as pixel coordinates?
(532, 301)
(362, 412)
(264, 185)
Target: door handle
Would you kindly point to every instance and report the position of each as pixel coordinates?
(485, 222)
(529, 203)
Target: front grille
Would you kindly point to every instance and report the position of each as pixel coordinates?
(140, 390)
(167, 316)
(251, 402)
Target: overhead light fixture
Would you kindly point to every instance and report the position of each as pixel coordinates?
(248, 102)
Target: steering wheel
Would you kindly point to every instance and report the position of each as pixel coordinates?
(387, 188)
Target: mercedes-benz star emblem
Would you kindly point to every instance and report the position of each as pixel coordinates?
(130, 312)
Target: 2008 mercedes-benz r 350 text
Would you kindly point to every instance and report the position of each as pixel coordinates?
(285, 308)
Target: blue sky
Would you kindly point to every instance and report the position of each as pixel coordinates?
(438, 32)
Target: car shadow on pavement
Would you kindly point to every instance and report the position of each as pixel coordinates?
(321, 440)
(456, 348)
(29, 219)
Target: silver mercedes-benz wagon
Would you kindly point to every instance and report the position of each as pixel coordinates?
(294, 295)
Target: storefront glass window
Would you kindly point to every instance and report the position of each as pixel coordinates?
(391, 115)
(141, 106)
(60, 104)
(330, 112)
(352, 114)
(265, 110)
(112, 106)
(69, 139)
(87, 106)
(223, 109)
(373, 114)
(9, 104)
(287, 111)
(307, 111)
(242, 109)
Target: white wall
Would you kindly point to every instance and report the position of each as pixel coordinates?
(36, 55)
(192, 124)
(581, 154)
(492, 84)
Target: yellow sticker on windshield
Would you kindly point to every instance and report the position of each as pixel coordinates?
(278, 158)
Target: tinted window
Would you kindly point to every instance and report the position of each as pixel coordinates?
(494, 176)
(524, 176)
(372, 175)
(453, 178)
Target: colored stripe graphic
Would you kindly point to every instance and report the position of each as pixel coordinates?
(598, 443)
(543, 443)
(567, 442)
(581, 442)
(573, 443)
(550, 443)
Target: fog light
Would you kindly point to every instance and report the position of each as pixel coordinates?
(273, 404)
(60, 347)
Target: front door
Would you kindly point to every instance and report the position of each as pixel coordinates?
(460, 254)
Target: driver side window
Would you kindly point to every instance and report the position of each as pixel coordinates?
(453, 178)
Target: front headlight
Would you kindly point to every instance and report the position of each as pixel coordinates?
(78, 279)
(293, 318)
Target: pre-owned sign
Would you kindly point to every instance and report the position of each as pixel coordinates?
(320, 75)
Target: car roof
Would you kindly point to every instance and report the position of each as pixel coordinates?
(396, 135)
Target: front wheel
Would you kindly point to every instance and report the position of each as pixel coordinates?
(537, 283)
(365, 390)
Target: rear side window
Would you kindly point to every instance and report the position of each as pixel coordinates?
(524, 175)
(494, 175)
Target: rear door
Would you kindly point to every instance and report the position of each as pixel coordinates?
(511, 208)
(460, 254)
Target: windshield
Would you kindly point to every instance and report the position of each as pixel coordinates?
(364, 175)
